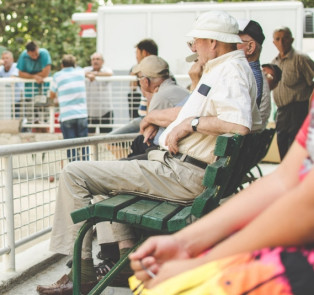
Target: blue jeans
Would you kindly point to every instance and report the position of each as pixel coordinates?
(73, 129)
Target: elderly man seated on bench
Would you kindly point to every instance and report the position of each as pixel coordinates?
(224, 101)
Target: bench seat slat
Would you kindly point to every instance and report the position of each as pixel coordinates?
(83, 214)
(180, 220)
(111, 206)
(157, 218)
(133, 213)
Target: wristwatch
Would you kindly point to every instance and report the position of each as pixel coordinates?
(194, 123)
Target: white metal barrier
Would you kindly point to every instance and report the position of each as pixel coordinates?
(110, 103)
(29, 176)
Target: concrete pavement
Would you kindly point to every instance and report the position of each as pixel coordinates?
(38, 266)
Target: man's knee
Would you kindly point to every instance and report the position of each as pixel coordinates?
(73, 168)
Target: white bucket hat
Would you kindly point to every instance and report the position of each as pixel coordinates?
(216, 25)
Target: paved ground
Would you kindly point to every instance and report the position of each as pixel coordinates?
(49, 272)
(39, 266)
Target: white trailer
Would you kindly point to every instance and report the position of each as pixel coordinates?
(121, 27)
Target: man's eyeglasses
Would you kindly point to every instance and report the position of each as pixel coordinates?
(141, 77)
(191, 43)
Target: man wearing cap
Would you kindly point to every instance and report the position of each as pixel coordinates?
(294, 89)
(160, 90)
(224, 101)
(253, 37)
(137, 102)
(153, 74)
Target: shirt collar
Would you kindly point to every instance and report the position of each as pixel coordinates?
(221, 59)
(288, 55)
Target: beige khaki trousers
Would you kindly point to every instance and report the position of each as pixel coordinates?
(161, 176)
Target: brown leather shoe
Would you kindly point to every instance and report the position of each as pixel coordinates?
(64, 287)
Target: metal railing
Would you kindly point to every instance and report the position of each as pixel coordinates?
(110, 103)
(29, 176)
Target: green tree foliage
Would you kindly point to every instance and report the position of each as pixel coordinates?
(306, 3)
(49, 24)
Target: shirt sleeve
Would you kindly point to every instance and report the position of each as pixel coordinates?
(14, 71)
(45, 57)
(233, 103)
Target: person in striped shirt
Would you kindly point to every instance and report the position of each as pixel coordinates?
(68, 86)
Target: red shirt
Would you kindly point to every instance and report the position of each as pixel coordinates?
(305, 138)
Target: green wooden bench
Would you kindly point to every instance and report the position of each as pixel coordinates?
(157, 216)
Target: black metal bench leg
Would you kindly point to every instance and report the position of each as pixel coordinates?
(76, 267)
(107, 279)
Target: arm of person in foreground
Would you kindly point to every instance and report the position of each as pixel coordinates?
(39, 77)
(235, 226)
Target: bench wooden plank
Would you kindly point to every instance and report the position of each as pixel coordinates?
(83, 214)
(133, 213)
(157, 218)
(206, 202)
(111, 206)
(215, 173)
(180, 220)
(225, 144)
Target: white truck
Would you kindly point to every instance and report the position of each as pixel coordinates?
(121, 27)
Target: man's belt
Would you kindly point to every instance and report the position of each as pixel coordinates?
(191, 160)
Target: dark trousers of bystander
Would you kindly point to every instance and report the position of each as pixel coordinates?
(105, 119)
(289, 119)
